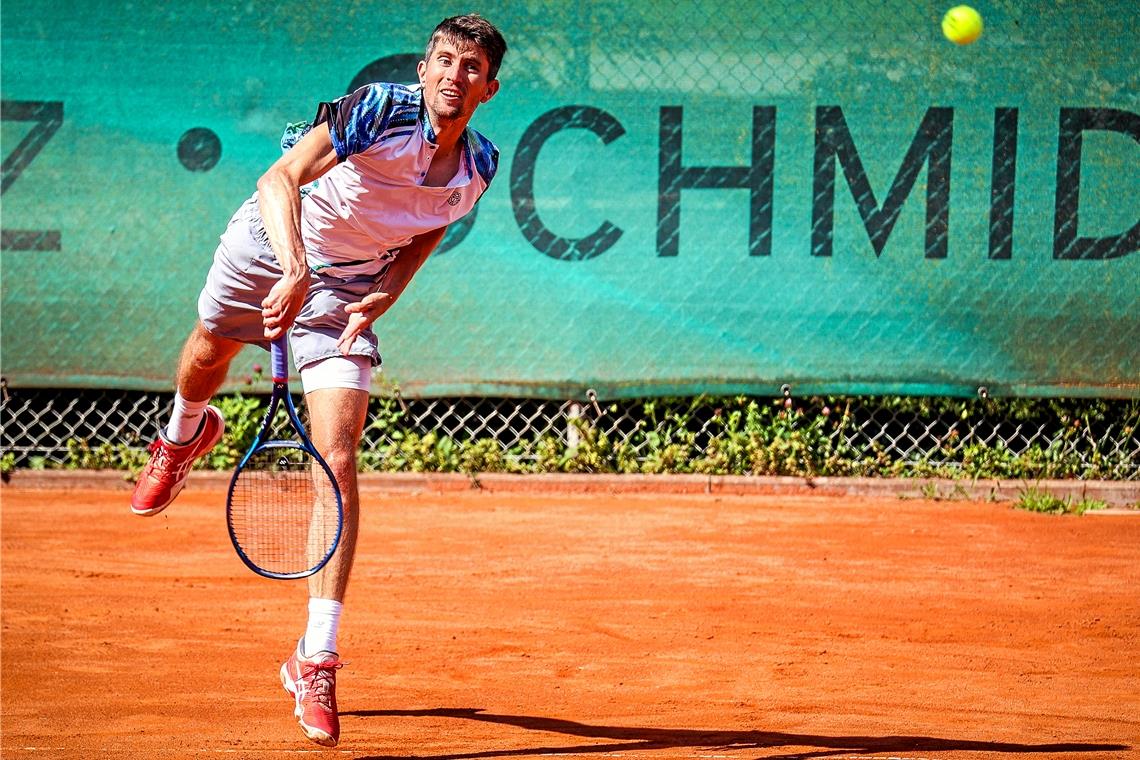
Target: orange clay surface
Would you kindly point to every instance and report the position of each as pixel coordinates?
(493, 625)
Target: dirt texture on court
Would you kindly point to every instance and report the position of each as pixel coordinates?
(643, 626)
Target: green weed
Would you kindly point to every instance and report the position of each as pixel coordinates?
(243, 415)
(1034, 500)
(81, 456)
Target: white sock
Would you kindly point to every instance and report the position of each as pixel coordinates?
(320, 633)
(185, 419)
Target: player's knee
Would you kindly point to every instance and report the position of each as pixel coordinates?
(209, 351)
(341, 459)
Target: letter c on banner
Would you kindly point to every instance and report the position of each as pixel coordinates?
(537, 234)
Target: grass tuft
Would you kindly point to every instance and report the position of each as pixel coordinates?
(1033, 500)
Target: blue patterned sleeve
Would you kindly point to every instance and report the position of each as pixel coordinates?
(356, 119)
(486, 155)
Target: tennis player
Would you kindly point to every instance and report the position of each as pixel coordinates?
(385, 170)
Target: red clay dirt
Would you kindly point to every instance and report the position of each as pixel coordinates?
(508, 625)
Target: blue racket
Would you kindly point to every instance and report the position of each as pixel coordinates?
(284, 509)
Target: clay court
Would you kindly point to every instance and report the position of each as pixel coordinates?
(490, 624)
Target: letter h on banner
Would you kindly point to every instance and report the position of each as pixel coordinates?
(673, 177)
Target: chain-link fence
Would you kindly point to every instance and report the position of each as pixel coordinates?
(739, 435)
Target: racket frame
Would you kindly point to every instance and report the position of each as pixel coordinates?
(282, 398)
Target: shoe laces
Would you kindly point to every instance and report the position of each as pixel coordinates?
(321, 676)
(161, 457)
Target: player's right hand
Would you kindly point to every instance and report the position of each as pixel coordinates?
(281, 306)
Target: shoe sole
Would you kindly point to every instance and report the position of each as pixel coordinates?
(312, 734)
(156, 510)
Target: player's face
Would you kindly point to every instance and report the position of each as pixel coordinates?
(454, 79)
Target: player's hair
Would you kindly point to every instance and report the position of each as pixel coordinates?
(473, 29)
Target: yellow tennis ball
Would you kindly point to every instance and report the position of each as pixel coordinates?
(962, 25)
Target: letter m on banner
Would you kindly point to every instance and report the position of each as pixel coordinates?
(931, 145)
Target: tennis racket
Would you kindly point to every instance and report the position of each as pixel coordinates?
(284, 509)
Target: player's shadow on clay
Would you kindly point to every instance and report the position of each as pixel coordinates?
(648, 739)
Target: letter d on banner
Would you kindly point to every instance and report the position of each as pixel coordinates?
(1066, 243)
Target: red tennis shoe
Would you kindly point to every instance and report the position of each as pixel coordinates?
(312, 682)
(165, 474)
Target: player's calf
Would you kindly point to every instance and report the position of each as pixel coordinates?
(165, 473)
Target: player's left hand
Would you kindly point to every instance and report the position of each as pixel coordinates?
(360, 315)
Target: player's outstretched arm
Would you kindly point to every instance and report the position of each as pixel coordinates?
(407, 262)
(279, 200)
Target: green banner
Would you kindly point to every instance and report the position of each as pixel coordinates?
(702, 197)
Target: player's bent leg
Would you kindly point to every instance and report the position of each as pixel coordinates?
(205, 359)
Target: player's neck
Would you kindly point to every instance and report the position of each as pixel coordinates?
(447, 132)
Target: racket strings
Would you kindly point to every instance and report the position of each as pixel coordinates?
(283, 511)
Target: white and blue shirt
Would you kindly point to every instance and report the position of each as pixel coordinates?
(373, 202)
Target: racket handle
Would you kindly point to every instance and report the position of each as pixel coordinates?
(279, 359)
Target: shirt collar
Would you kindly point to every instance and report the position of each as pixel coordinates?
(425, 122)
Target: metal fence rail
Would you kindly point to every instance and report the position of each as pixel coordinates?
(853, 435)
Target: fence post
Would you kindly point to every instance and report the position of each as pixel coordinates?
(573, 434)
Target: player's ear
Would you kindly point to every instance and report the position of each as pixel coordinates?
(421, 69)
(492, 88)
